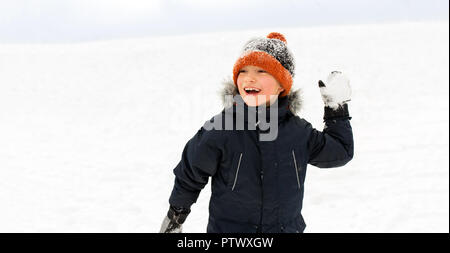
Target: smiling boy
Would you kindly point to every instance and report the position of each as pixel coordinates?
(258, 185)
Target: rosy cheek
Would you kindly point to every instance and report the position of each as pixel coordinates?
(239, 84)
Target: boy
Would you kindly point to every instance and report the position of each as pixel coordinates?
(257, 185)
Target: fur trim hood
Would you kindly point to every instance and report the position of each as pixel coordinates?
(295, 99)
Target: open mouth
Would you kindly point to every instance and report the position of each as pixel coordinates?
(252, 91)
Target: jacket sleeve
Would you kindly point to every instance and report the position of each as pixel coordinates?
(333, 147)
(199, 161)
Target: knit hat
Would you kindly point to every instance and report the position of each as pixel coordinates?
(272, 55)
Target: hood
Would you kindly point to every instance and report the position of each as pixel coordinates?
(295, 99)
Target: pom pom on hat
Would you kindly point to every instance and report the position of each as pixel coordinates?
(279, 36)
(272, 54)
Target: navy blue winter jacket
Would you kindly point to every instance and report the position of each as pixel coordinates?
(257, 186)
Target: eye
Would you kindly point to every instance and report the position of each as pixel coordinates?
(242, 71)
(262, 71)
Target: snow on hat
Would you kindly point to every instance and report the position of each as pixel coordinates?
(271, 54)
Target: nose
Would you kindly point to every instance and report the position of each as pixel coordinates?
(249, 78)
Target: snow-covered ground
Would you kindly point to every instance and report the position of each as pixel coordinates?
(90, 132)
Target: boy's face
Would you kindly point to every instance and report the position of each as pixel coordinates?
(266, 87)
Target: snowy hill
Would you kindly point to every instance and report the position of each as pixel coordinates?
(90, 132)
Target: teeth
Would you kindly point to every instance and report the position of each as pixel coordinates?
(251, 89)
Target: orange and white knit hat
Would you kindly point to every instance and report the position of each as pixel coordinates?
(271, 54)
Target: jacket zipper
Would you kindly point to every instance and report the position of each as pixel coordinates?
(259, 226)
(237, 172)
(296, 169)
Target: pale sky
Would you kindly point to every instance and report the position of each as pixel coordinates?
(55, 21)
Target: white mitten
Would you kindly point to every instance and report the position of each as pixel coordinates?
(336, 91)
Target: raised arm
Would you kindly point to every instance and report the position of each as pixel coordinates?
(333, 147)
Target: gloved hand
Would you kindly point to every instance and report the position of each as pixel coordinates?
(336, 91)
(172, 223)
